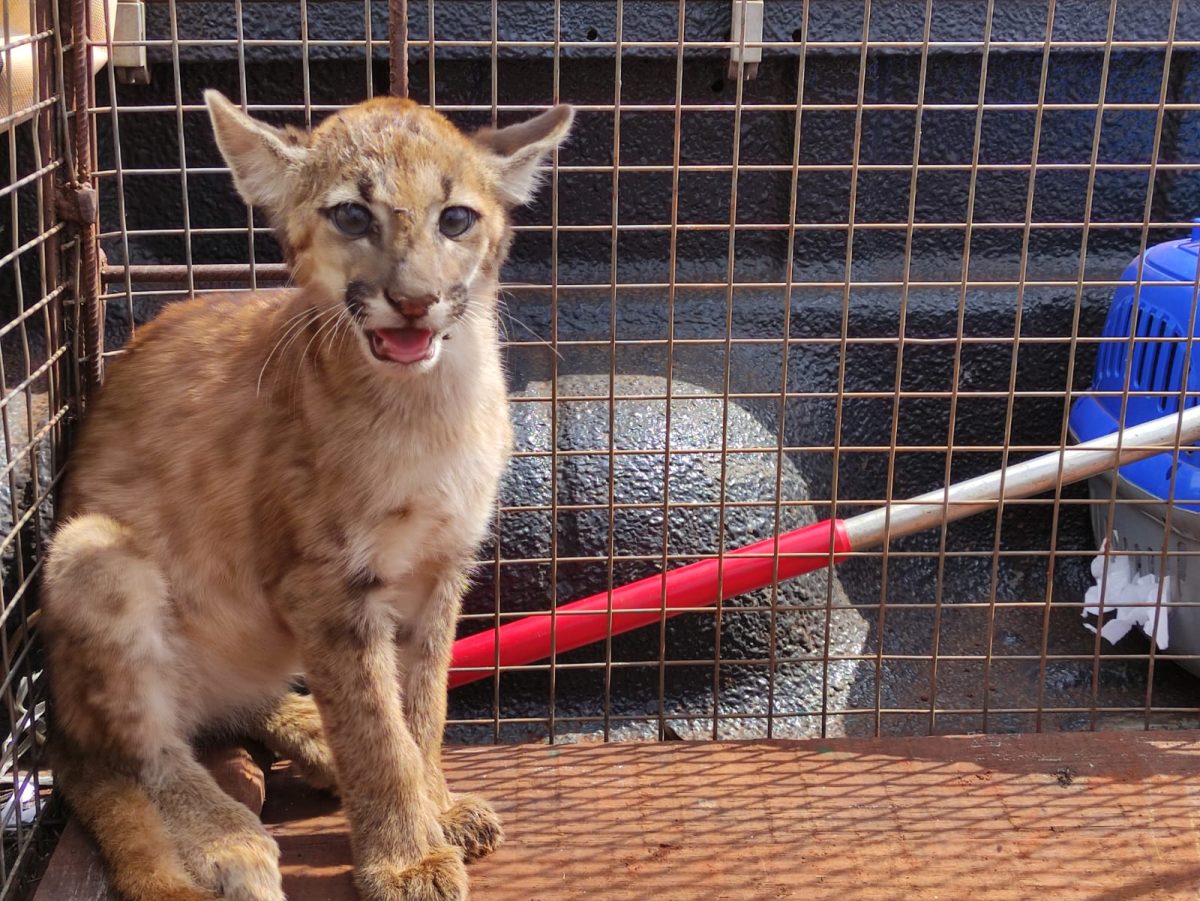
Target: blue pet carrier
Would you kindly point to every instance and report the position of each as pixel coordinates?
(1163, 312)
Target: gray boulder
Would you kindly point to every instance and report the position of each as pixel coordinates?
(746, 630)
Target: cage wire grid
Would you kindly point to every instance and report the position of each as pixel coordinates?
(39, 259)
(740, 304)
(550, 354)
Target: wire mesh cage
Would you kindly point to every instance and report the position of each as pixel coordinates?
(39, 263)
(800, 260)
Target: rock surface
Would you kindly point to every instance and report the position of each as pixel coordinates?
(695, 482)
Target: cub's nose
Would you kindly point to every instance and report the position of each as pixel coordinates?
(412, 307)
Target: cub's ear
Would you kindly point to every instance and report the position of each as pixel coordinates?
(262, 157)
(520, 149)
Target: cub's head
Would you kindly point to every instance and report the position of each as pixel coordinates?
(390, 214)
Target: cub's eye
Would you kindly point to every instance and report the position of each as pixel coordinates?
(456, 221)
(352, 219)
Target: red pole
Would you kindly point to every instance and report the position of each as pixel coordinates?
(640, 603)
(811, 548)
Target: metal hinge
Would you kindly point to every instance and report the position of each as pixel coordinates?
(746, 33)
(129, 62)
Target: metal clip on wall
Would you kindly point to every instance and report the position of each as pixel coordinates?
(746, 33)
(129, 59)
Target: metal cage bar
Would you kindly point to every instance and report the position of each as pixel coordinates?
(42, 266)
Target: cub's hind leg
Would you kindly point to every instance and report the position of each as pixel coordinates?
(292, 729)
(220, 840)
(166, 829)
(143, 862)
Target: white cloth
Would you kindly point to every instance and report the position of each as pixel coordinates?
(1135, 599)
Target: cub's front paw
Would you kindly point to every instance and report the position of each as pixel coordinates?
(471, 825)
(242, 866)
(439, 876)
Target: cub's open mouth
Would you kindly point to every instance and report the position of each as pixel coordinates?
(401, 345)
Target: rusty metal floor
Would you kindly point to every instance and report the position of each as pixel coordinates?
(1068, 816)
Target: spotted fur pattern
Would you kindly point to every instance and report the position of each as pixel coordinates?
(257, 492)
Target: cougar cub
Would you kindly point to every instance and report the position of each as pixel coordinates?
(296, 481)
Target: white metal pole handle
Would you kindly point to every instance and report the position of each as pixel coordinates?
(1071, 464)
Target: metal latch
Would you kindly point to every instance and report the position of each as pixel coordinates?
(130, 26)
(746, 33)
(78, 204)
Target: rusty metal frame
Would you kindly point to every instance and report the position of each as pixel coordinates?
(40, 388)
(89, 273)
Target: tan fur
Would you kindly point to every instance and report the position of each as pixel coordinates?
(470, 824)
(118, 810)
(292, 729)
(255, 495)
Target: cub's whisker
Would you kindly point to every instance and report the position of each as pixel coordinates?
(502, 308)
(294, 325)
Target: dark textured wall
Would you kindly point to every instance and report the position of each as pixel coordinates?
(152, 140)
(274, 75)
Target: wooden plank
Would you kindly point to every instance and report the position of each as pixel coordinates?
(1068, 816)
(75, 872)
